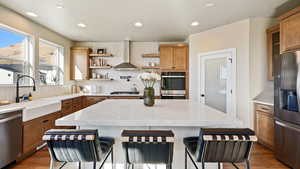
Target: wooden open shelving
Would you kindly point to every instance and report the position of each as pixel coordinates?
(150, 67)
(151, 55)
(101, 55)
(100, 67)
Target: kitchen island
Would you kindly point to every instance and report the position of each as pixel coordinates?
(183, 117)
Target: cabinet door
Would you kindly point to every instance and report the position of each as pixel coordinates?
(290, 33)
(67, 107)
(91, 100)
(79, 64)
(180, 58)
(32, 135)
(273, 42)
(265, 128)
(166, 57)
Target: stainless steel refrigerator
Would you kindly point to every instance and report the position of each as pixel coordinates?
(286, 106)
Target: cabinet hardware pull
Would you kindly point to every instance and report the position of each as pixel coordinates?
(45, 121)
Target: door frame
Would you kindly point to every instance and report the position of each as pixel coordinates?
(231, 97)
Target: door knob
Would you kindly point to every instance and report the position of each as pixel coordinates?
(202, 95)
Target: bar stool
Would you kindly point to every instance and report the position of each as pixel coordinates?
(220, 146)
(78, 146)
(148, 147)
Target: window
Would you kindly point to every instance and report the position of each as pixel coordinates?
(15, 56)
(50, 63)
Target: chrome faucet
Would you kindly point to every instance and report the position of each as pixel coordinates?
(18, 86)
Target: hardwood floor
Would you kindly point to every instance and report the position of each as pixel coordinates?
(261, 158)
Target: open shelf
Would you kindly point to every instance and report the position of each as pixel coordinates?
(102, 79)
(151, 55)
(101, 55)
(100, 67)
(150, 67)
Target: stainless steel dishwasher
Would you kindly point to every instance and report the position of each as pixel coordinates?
(10, 137)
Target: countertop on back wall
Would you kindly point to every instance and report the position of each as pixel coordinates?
(49, 104)
(266, 97)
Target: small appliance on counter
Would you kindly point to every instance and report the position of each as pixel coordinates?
(173, 85)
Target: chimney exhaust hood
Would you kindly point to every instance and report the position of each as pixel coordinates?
(126, 65)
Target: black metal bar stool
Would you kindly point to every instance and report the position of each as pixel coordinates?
(220, 146)
(78, 146)
(148, 147)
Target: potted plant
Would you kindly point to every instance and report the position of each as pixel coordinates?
(149, 80)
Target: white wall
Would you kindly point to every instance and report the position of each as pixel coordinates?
(235, 35)
(249, 38)
(258, 59)
(17, 21)
(137, 49)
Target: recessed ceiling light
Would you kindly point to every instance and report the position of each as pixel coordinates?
(31, 14)
(59, 6)
(138, 24)
(209, 4)
(195, 23)
(82, 25)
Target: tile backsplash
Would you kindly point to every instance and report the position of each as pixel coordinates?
(9, 92)
(119, 84)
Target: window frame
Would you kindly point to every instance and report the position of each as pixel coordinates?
(60, 64)
(29, 58)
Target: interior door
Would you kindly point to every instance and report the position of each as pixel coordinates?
(217, 81)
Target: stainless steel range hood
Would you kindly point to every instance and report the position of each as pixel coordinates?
(126, 65)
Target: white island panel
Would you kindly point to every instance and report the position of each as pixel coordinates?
(183, 117)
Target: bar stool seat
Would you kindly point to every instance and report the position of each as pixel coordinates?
(148, 147)
(220, 145)
(106, 143)
(70, 145)
(191, 144)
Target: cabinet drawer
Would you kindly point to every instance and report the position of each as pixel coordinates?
(90, 100)
(66, 103)
(77, 100)
(264, 108)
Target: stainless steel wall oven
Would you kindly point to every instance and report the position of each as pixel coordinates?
(173, 85)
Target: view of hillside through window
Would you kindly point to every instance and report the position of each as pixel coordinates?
(51, 60)
(13, 56)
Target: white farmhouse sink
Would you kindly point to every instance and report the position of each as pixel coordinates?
(38, 108)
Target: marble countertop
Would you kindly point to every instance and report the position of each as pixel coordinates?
(44, 106)
(266, 97)
(135, 113)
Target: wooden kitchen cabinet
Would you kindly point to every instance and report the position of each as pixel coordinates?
(273, 45)
(79, 63)
(174, 57)
(166, 57)
(66, 107)
(91, 100)
(289, 30)
(34, 130)
(264, 126)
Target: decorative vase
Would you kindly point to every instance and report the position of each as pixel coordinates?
(149, 96)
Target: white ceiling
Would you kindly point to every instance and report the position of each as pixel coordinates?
(163, 20)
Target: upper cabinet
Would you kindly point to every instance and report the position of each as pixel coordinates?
(79, 63)
(174, 57)
(290, 30)
(273, 38)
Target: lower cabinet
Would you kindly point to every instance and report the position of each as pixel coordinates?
(265, 125)
(33, 131)
(91, 100)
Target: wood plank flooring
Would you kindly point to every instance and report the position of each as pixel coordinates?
(261, 158)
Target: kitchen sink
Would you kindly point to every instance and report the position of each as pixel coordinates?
(34, 109)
